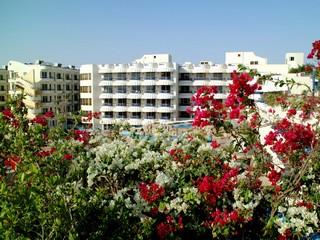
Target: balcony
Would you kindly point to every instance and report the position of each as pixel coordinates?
(166, 108)
(119, 82)
(135, 121)
(164, 81)
(105, 83)
(165, 95)
(133, 82)
(200, 82)
(148, 82)
(120, 108)
(134, 109)
(149, 108)
(134, 95)
(149, 96)
(105, 95)
(106, 108)
(106, 120)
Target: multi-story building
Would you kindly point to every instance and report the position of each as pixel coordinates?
(3, 87)
(46, 87)
(140, 93)
(155, 89)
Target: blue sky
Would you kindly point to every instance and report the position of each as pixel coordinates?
(119, 31)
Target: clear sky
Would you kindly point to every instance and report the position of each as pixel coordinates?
(118, 31)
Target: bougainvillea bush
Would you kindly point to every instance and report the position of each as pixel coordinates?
(243, 172)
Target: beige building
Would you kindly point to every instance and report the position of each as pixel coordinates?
(3, 87)
(46, 86)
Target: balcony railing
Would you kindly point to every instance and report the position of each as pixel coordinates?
(150, 105)
(165, 78)
(136, 104)
(107, 104)
(121, 104)
(150, 117)
(165, 91)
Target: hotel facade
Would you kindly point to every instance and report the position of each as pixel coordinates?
(46, 87)
(154, 89)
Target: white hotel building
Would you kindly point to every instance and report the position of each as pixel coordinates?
(154, 89)
(46, 87)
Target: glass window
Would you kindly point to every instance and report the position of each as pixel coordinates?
(122, 102)
(44, 74)
(150, 89)
(165, 89)
(107, 102)
(151, 102)
(165, 102)
(135, 89)
(136, 102)
(150, 76)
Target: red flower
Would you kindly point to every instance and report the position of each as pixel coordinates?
(68, 157)
(12, 161)
(7, 114)
(49, 114)
(82, 136)
(214, 144)
(151, 192)
(291, 112)
(41, 120)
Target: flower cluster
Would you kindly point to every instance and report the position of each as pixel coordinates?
(315, 51)
(289, 136)
(43, 119)
(213, 189)
(82, 136)
(151, 192)
(11, 162)
(10, 117)
(92, 115)
(169, 226)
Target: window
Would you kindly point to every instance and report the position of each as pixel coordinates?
(86, 101)
(75, 77)
(2, 99)
(59, 87)
(59, 76)
(151, 102)
(150, 89)
(135, 89)
(122, 115)
(1, 77)
(201, 76)
(121, 89)
(136, 102)
(108, 115)
(151, 115)
(122, 102)
(67, 76)
(46, 99)
(121, 76)
(106, 76)
(76, 97)
(135, 76)
(165, 75)
(50, 75)
(85, 76)
(2, 88)
(44, 87)
(184, 114)
(184, 76)
(136, 115)
(150, 76)
(291, 58)
(107, 102)
(165, 102)
(68, 87)
(165, 89)
(184, 101)
(165, 116)
(253, 62)
(85, 89)
(217, 76)
(44, 110)
(184, 89)
(75, 87)
(107, 89)
(44, 75)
